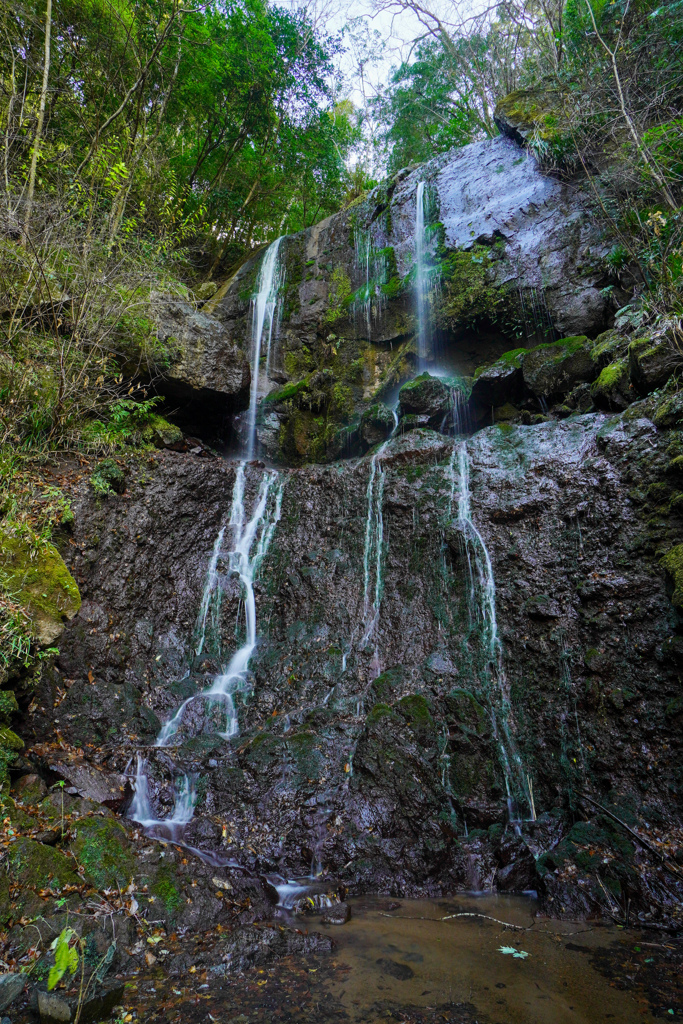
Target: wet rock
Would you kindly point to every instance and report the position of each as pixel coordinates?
(542, 606)
(613, 389)
(652, 360)
(11, 986)
(340, 913)
(60, 1008)
(376, 425)
(425, 396)
(518, 876)
(395, 969)
(501, 383)
(101, 787)
(205, 364)
(30, 788)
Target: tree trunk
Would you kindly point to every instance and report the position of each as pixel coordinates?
(41, 116)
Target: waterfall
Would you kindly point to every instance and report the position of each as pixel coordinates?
(264, 312)
(141, 809)
(421, 283)
(209, 588)
(482, 604)
(374, 541)
(245, 564)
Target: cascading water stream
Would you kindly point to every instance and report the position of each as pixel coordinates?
(482, 604)
(265, 305)
(251, 538)
(421, 283)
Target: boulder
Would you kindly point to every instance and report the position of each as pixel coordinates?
(502, 382)
(203, 362)
(40, 581)
(430, 398)
(11, 986)
(652, 361)
(529, 113)
(554, 369)
(376, 424)
(340, 913)
(613, 389)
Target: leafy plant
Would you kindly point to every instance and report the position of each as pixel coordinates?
(66, 956)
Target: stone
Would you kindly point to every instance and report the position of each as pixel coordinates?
(205, 290)
(30, 788)
(652, 361)
(162, 433)
(338, 913)
(555, 369)
(501, 383)
(58, 1007)
(542, 606)
(204, 363)
(426, 396)
(613, 390)
(529, 113)
(107, 788)
(376, 425)
(40, 581)
(11, 986)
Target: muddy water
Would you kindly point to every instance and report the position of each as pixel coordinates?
(412, 961)
(415, 955)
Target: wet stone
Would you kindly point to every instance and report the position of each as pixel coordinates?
(340, 913)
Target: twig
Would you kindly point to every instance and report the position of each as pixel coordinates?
(643, 842)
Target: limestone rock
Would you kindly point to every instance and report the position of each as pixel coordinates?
(41, 582)
(425, 396)
(613, 389)
(376, 424)
(500, 383)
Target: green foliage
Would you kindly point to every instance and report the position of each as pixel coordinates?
(107, 478)
(66, 957)
(339, 297)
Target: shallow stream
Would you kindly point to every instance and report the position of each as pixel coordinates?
(411, 961)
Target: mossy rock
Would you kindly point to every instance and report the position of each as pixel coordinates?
(501, 382)
(39, 580)
(417, 713)
(673, 563)
(652, 361)
(527, 112)
(162, 433)
(430, 396)
(554, 369)
(8, 705)
(101, 845)
(34, 864)
(376, 424)
(669, 413)
(613, 389)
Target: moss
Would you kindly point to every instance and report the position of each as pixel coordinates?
(611, 376)
(162, 433)
(164, 888)
(416, 711)
(8, 705)
(34, 864)
(9, 740)
(339, 296)
(669, 413)
(40, 582)
(108, 478)
(101, 846)
(377, 713)
(673, 563)
(467, 293)
(288, 392)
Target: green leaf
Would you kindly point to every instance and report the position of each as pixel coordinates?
(519, 954)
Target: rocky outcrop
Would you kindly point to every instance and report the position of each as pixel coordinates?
(513, 251)
(371, 752)
(203, 363)
(40, 582)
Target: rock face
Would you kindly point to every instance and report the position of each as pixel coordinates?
(366, 741)
(204, 362)
(511, 255)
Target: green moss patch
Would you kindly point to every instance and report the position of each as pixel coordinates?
(101, 846)
(38, 580)
(673, 563)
